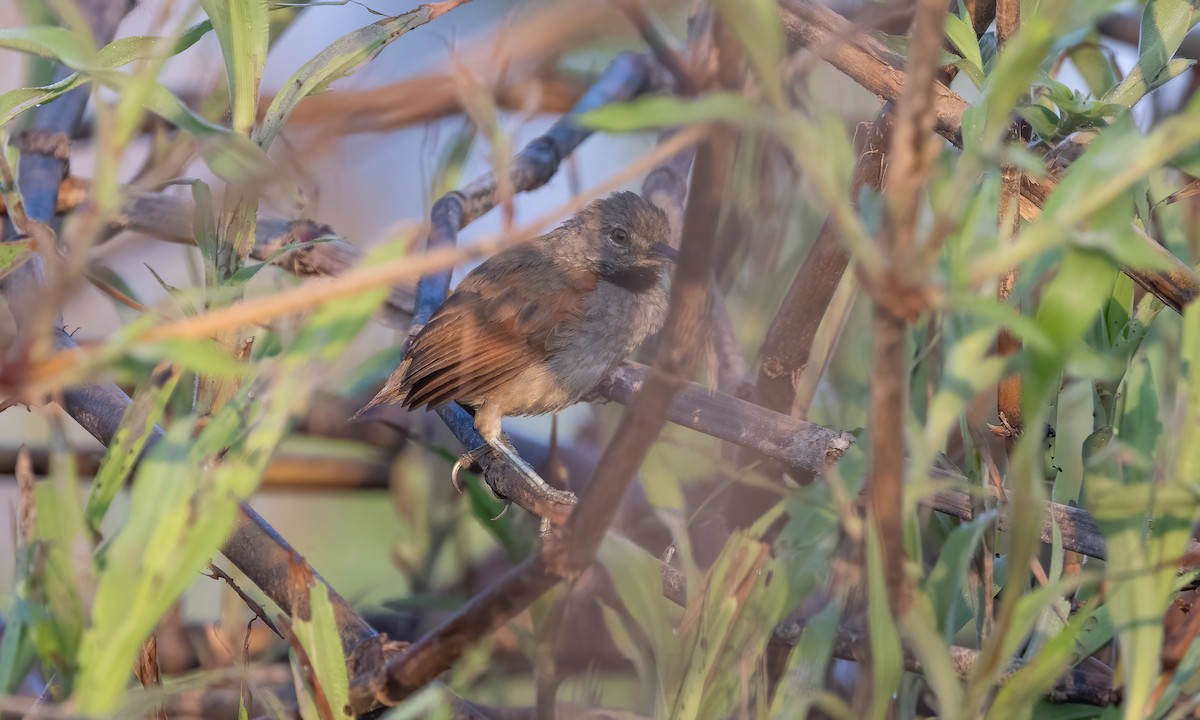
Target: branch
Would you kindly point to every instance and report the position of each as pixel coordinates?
(910, 159)
(805, 447)
(789, 341)
(316, 250)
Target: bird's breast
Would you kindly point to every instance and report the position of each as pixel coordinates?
(614, 323)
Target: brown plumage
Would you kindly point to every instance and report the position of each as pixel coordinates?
(538, 325)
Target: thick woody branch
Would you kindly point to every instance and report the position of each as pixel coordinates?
(802, 446)
(789, 341)
(305, 248)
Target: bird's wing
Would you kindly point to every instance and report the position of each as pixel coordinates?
(498, 322)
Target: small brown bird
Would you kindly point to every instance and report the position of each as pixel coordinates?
(538, 325)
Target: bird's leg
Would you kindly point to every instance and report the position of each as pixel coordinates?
(487, 422)
(540, 486)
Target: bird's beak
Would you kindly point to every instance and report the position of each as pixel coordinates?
(663, 251)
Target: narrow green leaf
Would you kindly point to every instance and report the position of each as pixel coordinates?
(658, 112)
(114, 55)
(63, 581)
(755, 23)
(638, 581)
(962, 36)
(1164, 25)
(242, 28)
(14, 254)
(343, 57)
(805, 675)
(947, 585)
(315, 628)
(149, 404)
(887, 662)
(174, 527)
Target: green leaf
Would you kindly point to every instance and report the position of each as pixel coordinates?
(63, 580)
(1095, 65)
(962, 36)
(242, 28)
(887, 662)
(1164, 25)
(947, 586)
(1070, 304)
(805, 675)
(201, 356)
(174, 527)
(744, 597)
(147, 409)
(17, 647)
(114, 55)
(63, 45)
(15, 102)
(315, 628)
(638, 580)
(1037, 677)
(659, 111)
(920, 629)
(343, 57)
(14, 254)
(56, 43)
(755, 23)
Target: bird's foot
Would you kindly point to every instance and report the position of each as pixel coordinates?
(537, 485)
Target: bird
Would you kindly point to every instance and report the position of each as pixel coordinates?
(540, 324)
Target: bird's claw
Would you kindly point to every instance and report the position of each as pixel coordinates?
(458, 466)
(465, 461)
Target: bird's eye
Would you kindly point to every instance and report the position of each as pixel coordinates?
(619, 236)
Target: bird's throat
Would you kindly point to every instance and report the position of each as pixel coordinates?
(638, 278)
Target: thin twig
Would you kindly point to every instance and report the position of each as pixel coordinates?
(656, 40)
(1008, 402)
(217, 573)
(910, 160)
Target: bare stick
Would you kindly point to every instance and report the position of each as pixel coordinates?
(910, 159)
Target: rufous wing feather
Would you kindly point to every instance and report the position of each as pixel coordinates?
(496, 324)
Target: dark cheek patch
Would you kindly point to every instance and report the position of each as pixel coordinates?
(638, 279)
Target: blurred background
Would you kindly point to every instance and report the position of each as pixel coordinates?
(366, 185)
